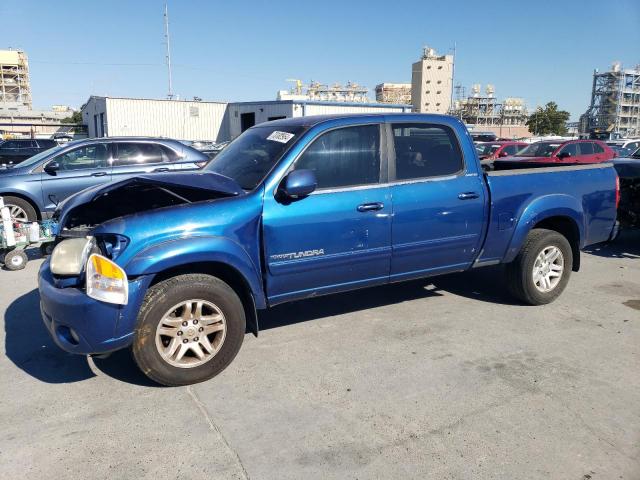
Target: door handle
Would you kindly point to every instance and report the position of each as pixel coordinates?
(99, 174)
(370, 207)
(468, 195)
(161, 169)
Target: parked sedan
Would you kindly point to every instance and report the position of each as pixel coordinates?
(15, 151)
(570, 152)
(493, 150)
(34, 188)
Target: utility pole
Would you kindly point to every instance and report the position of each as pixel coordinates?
(453, 73)
(168, 56)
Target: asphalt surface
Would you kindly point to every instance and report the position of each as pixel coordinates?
(444, 378)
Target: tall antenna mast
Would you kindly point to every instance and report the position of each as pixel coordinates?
(168, 57)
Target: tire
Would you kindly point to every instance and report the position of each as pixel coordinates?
(162, 311)
(15, 260)
(25, 209)
(522, 272)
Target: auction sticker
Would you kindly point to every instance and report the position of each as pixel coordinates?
(282, 137)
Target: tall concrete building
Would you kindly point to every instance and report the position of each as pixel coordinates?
(432, 82)
(15, 89)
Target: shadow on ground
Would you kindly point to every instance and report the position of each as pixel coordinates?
(29, 346)
(485, 284)
(627, 245)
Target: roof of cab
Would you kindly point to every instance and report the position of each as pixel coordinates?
(311, 120)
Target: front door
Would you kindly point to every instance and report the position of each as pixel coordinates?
(339, 236)
(80, 168)
(438, 205)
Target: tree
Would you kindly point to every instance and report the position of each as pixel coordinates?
(548, 120)
(76, 118)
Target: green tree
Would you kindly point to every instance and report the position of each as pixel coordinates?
(548, 120)
(76, 118)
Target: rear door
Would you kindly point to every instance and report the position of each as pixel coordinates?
(133, 158)
(79, 168)
(438, 203)
(587, 153)
(339, 236)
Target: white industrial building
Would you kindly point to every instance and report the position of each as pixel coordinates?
(217, 121)
(244, 115)
(129, 117)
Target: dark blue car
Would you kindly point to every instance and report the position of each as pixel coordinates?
(33, 188)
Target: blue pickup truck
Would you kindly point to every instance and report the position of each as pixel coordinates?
(177, 265)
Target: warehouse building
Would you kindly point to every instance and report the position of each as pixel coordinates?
(216, 121)
(129, 117)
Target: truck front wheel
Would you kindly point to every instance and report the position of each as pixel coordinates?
(190, 327)
(541, 271)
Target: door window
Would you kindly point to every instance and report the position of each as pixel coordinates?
(13, 144)
(142, 154)
(425, 150)
(91, 156)
(344, 157)
(571, 149)
(597, 148)
(586, 148)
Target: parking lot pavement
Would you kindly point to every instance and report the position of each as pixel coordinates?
(444, 378)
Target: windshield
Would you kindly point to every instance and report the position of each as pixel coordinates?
(36, 158)
(486, 149)
(540, 149)
(635, 154)
(251, 156)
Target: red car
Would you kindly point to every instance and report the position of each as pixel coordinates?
(499, 149)
(562, 152)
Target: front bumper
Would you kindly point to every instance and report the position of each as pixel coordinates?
(80, 324)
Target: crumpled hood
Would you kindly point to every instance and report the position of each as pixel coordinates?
(199, 185)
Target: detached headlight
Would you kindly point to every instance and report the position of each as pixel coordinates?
(106, 281)
(70, 256)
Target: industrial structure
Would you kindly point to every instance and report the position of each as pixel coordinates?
(485, 112)
(432, 82)
(321, 92)
(398, 93)
(615, 104)
(215, 121)
(15, 88)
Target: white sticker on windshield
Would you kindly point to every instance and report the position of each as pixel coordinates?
(282, 137)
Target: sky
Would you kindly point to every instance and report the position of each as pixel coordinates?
(245, 50)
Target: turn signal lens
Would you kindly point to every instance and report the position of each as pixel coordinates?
(106, 281)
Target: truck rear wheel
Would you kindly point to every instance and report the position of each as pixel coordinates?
(541, 271)
(190, 327)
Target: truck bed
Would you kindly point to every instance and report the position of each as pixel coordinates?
(573, 190)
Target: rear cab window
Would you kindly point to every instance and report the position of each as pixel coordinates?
(425, 151)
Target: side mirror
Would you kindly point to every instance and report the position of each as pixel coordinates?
(503, 154)
(299, 184)
(563, 155)
(52, 167)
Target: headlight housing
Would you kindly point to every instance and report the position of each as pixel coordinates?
(106, 281)
(70, 255)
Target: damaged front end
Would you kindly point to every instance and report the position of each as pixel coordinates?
(83, 211)
(82, 244)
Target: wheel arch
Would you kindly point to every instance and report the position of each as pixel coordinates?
(560, 213)
(217, 256)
